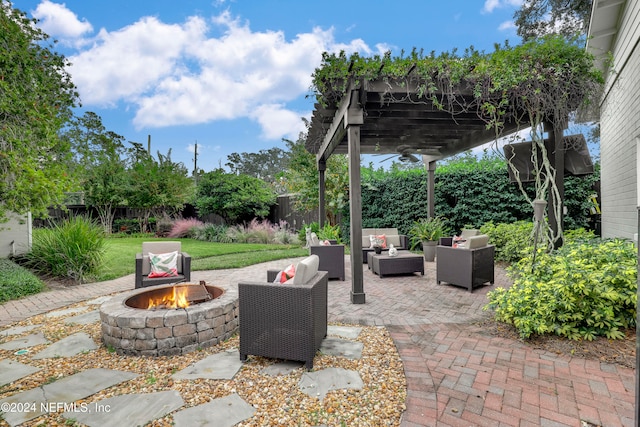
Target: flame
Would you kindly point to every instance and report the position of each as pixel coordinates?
(176, 299)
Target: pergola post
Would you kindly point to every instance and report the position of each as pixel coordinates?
(355, 213)
(322, 167)
(555, 151)
(431, 188)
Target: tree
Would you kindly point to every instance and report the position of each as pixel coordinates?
(537, 18)
(157, 187)
(36, 98)
(100, 160)
(265, 164)
(301, 179)
(235, 198)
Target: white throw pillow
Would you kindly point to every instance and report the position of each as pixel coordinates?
(163, 265)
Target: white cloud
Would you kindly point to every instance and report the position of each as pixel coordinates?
(507, 26)
(278, 122)
(491, 5)
(56, 20)
(177, 74)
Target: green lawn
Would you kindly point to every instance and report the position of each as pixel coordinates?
(119, 259)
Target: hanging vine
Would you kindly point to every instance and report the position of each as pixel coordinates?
(542, 81)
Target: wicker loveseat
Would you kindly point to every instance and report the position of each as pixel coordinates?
(399, 241)
(284, 320)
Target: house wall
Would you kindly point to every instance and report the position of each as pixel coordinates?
(620, 131)
(15, 235)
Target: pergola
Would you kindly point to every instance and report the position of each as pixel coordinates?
(390, 117)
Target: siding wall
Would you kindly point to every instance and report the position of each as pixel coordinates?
(15, 235)
(620, 131)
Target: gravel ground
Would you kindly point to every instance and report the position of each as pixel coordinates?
(277, 400)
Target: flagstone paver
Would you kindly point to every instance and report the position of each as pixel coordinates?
(11, 370)
(52, 397)
(319, 383)
(66, 311)
(25, 342)
(222, 412)
(17, 330)
(128, 410)
(342, 348)
(84, 318)
(223, 365)
(69, 346)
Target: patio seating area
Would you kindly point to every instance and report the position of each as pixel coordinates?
(456, 372)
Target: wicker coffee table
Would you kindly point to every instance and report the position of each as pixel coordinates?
(405, 262)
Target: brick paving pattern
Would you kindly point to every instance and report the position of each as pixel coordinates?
(457, 375)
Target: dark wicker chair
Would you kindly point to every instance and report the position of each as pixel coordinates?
(468, 268)
(143, 266)
(283, 321)
(331, 259)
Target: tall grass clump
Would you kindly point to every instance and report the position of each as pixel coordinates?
(72, 249)
(17, 281)
(211, 233)
(184, 227)
(264, 231)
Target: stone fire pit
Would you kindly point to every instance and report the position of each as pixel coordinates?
(131, 329)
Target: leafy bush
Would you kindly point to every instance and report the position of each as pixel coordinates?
(184, 227)
(17, 281)
(164, 226)
(72, 249)
(302, 233)
(512, 241)
(583, 290)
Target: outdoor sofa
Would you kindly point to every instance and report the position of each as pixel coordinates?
(391, 235)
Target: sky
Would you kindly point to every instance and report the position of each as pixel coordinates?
(235, 75)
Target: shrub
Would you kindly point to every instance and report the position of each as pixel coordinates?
(283, 235)
(512, 241)
(72, 249)
(17, 281)
(164, 226)
(302, 233)
(211, 233)
(184, 227)
(583, 290)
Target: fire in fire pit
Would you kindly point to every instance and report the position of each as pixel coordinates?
(176, 296)
(168, 320)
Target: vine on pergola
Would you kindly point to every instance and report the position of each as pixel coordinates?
(545, 80)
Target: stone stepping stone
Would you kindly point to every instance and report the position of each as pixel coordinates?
(128, 409)
(69, 346)
(17, 330)
(281, 368)
(25, 342)
(84, 319)
(49, 397)
(64, 312)
(222, 412)
(350, 332)
(219, 366)
(319, 383)
(99, 300)
(341, 348)
(11, 371)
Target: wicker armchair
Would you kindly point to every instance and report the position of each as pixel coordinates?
(143, 265)
(284, 321)
(331, 259)
(468, 267)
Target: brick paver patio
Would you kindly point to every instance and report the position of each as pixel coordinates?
(457, 374)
